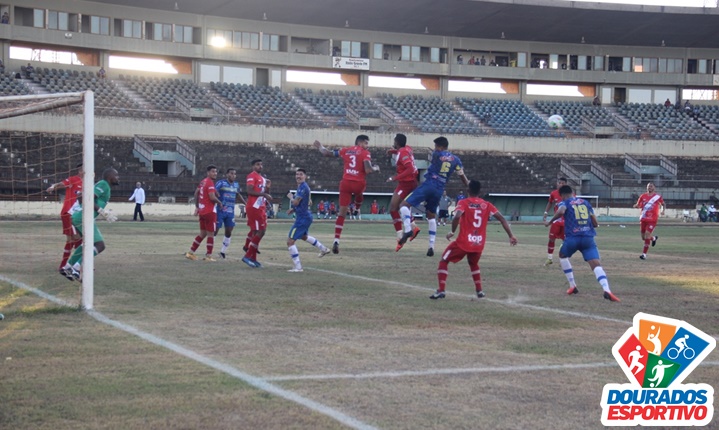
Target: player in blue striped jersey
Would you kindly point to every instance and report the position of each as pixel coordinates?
(228, 190)
(579, 230)
(441, 167)
(301, 204)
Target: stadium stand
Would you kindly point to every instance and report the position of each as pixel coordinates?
(265, 105)
(431, 115)
(334, 104)
(164, 92)
(666, 123)
(574, 113)
(508, 117)
(10, 86)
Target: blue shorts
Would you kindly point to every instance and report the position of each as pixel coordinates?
(226, 218)
(300, 228)
(583, 244)
(428, 193)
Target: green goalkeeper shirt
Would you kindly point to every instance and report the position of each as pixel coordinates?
(102, 196)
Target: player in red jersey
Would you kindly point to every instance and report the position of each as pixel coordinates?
(73, 188)
(651, 204)
(471, 216)
(257, 197)
(205, 203)
(557, 229)
(357, 164)
(406, 178)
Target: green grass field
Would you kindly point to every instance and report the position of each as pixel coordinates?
(353, 341)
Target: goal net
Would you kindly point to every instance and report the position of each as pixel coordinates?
(43, 138)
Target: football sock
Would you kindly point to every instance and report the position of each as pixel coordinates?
(647, 242)
(550, 256)
(442, 273)
(432, 232)
(248, 239)
(196, 243)
(226, 243)
(567, 268)
(76, 256)
(550, 247)
(396, 221)
(67, 252)
(294, 255)
(254, 246)
(406, 218)
(339, 225)
(601, 278)
(476, 277)
(210, 244)
(314, 242)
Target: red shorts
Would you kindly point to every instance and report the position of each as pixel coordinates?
(257, 218)
(404, 188)
(67, 228)
(647, 226)
(557, 229)
(208, 221)
(455, 254)
(349, 189)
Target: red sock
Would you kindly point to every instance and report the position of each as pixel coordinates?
(339, 225)
(442, 273)
(550, 246)
(250, 235)
(647, 242)
(396, 220)
(196, 243)
(476, 277)
(66, 253)
(252, 249)
(210, 244)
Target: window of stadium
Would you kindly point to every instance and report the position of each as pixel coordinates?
(315, 77)
(700, 94)
(476, 87)
(682, 3)
(44, 55)
(554, 90)
(395, 82)
(142, 64)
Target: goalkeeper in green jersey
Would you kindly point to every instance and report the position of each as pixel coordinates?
(101, 189)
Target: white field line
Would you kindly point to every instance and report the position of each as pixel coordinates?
(508, 302)
(254, 381)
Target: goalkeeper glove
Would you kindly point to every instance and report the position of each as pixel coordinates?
(107, 214)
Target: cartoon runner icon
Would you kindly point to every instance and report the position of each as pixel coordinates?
(658, 373)
(654, 339)
(634, 357)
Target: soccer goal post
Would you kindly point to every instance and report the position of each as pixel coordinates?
(16, 106)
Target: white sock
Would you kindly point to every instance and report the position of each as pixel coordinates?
(225, 243)
(550, 256)
(295, 255)
(568, 272)
(406, 218)
(432, 232)
(601, 278)
(316, 243)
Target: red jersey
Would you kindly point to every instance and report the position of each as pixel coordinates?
(406, 169)
(374, 209)
(555, 199)
(649, 203)
(473, 223)
(256, 182)
(321, 206)
(73, 188)
(354, 158)
(204, 204)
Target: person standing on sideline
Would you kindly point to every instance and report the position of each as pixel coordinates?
(301, 204)
(139, 197)
(205, 201)
(579, 228)
(374, 208)
(406, 178)
(110, 177)
(557, 229)
(227, 191)
(357, 164)
(650, 203)
(257, 196)
(441, 166)
(444, 203)
(471, 216)
(73, 188)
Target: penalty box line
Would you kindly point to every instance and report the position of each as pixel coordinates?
(253, 381)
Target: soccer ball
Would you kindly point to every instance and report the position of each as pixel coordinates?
(555, 121)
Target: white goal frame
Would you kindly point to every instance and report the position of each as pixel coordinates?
(87, 100)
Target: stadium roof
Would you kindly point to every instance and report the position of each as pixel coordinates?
(526, 20)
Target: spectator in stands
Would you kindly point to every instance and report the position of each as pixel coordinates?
(101, 73)
(5, 18)
(687, 107)
(29, 70)
(668, 103)
(597, 101)
(712, 213)
(385, 56)
(460, 59)
(2, 67)
(678, 105)
(703, 213)
(471, 60)
(482, 61)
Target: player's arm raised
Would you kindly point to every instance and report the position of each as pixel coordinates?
(324, 151)
(463, 177)
(508, 228)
